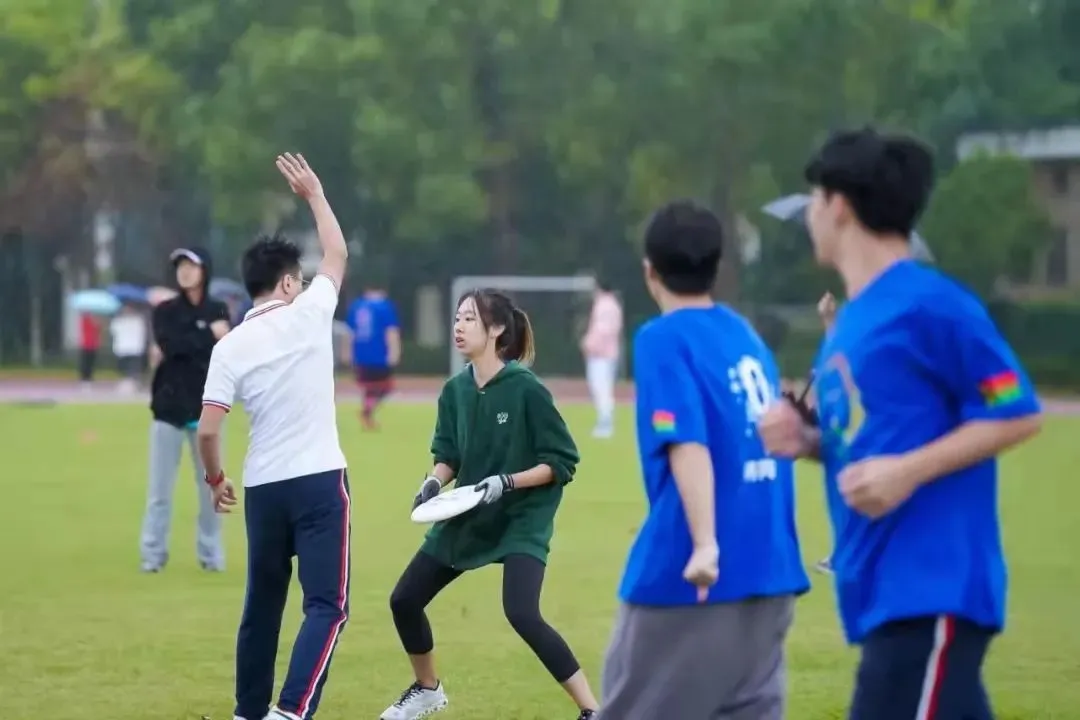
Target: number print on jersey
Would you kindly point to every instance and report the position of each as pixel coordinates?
(755, 387)
(749, 382)
(363, 324)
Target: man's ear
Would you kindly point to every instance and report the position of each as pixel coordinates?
(840, 208)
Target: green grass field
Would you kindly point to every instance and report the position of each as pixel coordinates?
(83, 635)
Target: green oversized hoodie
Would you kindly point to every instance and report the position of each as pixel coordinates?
(508, 426)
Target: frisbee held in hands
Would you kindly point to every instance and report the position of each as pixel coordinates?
(446, 505)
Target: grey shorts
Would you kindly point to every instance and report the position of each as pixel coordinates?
(708, 662)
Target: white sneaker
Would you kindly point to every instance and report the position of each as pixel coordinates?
(276, 714)
(416, 702)
(603, 432)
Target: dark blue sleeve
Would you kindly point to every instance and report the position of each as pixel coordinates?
(391, 316)
(669, 405)
(980, 367)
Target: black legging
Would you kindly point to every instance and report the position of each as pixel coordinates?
(523, 577)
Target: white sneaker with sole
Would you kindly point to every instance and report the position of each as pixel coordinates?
(416, 702)
(276, 714)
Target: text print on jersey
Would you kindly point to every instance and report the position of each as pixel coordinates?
(750, 385)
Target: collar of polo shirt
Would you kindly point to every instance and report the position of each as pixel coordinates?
(263, 308)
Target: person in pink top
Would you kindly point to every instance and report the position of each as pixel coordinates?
(600, 346)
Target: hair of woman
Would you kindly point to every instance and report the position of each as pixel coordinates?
(496, 309)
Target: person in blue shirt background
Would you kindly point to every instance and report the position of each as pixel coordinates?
(709, 588)
(376, 349)
(917, 393)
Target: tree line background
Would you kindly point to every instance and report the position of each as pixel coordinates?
(527, 137)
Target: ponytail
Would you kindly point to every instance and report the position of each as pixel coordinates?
(520, 345)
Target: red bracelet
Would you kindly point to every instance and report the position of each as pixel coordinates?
(216, 480)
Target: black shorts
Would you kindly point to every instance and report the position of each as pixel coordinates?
(927, 668)
(375, 378)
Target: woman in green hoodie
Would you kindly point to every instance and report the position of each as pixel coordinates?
(497, 429)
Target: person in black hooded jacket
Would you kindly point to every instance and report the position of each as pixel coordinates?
(185, 330)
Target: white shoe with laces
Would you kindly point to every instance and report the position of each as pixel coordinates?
(416, 702)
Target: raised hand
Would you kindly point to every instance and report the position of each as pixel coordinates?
(302, 179)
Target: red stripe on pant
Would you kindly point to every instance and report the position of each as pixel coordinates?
(944, 633)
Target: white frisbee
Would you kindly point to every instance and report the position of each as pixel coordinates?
(448, 504)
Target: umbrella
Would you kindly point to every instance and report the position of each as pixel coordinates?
(158, 295)
(793, 207)
(95, 302)
(225, 289)
(341, 330)
(128, 293)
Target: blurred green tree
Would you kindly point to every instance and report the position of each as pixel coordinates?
(984, 222)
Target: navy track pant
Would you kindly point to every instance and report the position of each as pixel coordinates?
(306, 517)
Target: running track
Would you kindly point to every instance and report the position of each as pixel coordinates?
(409, 389)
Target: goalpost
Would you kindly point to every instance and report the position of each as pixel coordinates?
(514, 283)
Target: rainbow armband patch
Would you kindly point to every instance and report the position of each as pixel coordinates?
(663, 421)
(1001, 389)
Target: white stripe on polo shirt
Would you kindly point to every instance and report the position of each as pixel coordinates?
(279, 363)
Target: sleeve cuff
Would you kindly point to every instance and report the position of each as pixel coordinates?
(214, 403)
(1012, 411)
(562, 474)
(446, 461)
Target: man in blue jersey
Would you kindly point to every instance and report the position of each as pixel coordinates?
(709, 589)
(917, 393)
(376, 349)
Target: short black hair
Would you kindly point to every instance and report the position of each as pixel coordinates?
(602, 284)
(269, 259)
(684, 243)
(887, 179)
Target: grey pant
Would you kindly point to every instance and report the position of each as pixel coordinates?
(706, 662)
(166, 446)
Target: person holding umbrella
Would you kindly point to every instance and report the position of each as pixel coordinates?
(233, 295)
(129, 340)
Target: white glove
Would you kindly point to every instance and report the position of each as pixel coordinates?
(493, 487)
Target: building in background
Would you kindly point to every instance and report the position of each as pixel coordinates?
(1055, 159)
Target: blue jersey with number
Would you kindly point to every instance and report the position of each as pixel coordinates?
(909, 360)
(703, 375)
(369, 318)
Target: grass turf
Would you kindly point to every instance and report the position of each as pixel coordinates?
(83, 635)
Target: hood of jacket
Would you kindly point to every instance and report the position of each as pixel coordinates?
(201, 257)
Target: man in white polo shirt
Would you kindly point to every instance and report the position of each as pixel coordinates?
(279, 362)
